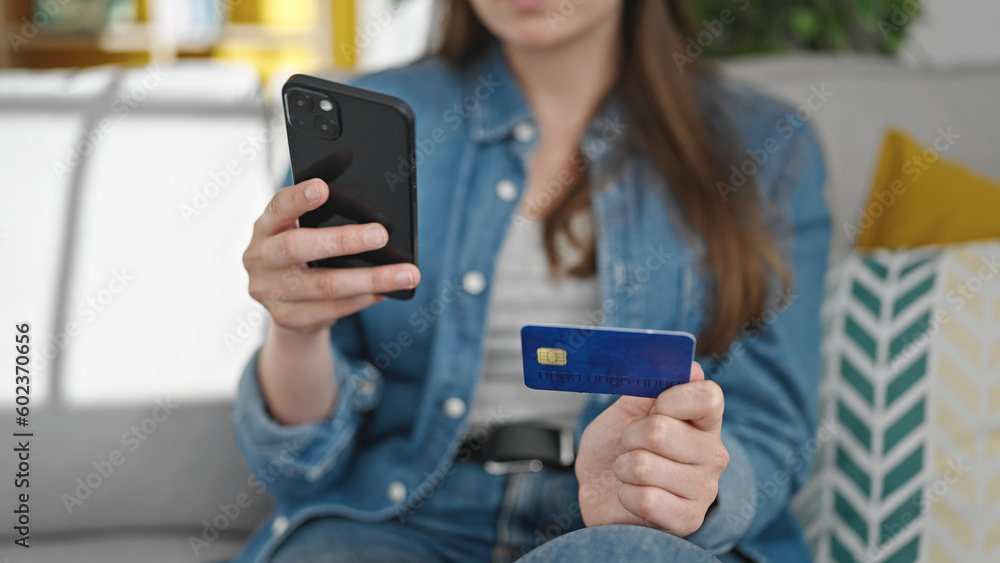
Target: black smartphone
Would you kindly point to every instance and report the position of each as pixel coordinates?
(361, 143)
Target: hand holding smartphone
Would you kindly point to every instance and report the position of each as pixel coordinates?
(357, 232)
(361, 143)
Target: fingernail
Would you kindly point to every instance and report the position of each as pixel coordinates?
(312, 192)
(375, 236)
(404, 278)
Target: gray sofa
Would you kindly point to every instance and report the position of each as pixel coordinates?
(181, 328)
(128, 200)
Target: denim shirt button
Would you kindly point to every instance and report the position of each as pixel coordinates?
(365, 388)
(474, 282)
(619, 274)
(279, 525)
(454, 407)
(524, 132)
(506, 190)
(396, 492)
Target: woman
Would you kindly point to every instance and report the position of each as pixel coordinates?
(577, 167)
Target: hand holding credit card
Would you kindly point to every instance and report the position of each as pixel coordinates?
(616, 361)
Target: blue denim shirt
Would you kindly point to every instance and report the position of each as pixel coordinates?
(397, 363)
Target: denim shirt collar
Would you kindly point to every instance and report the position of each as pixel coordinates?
(493, 98)
(496, 103)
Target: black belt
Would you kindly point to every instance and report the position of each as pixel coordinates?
(520, 447)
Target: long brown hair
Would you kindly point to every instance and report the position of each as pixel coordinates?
(665, 123)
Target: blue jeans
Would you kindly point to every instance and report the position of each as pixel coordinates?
(477, 517)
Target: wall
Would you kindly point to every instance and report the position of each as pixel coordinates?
(955, 32)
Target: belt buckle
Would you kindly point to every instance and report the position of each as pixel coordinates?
(515, 466)
(566, 458)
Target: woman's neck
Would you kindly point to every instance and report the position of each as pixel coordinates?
(565, 84)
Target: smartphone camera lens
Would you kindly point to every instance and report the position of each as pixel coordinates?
(326, 127)
(300, 102)
(312, 112)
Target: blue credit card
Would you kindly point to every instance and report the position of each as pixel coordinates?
(617, 361)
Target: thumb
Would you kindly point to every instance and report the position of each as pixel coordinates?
(629, 409)
(697, 374)
(289, 203)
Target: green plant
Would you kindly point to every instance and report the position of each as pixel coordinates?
(736, 27)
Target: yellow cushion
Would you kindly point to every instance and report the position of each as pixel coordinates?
(918, 198)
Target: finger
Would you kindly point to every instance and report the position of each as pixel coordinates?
(289, 203)
(310, 314)
(299, 246)
(645, 468)
(669, 437)
(633, 408)
(321, 284)
(699, 402)
(661, 509)
(697, 374)
(325, 284)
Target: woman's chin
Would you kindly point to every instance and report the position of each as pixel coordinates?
(526, 6)
(535, 36)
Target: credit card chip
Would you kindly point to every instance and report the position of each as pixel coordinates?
(552, 356)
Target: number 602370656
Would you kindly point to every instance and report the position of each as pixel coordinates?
(22, 361)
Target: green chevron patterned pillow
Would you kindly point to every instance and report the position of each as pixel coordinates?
(911, 390)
